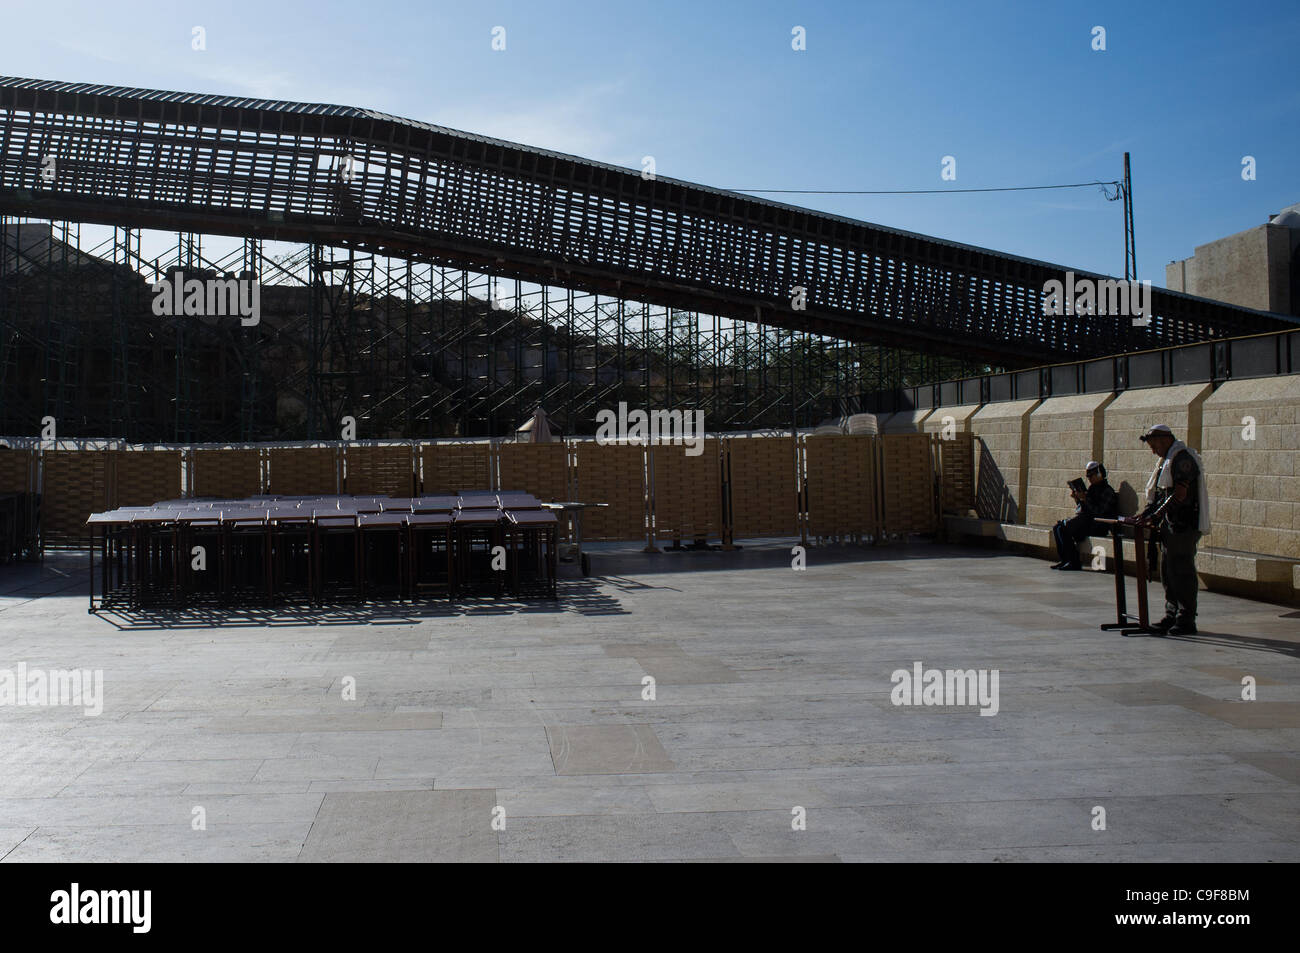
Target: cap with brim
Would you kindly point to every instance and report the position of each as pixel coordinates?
(1092, 465)
(1159, 430)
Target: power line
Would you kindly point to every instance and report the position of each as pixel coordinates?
(1014, 188)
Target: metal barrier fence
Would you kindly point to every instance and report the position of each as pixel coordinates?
(832, 487)
(1208, 362)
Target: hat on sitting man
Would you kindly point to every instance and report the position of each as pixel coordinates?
(1159, 430)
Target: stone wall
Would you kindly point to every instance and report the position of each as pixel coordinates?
(1064, 434)
(960, 414)
(1130, 415)
(1254, 484)
(905, 421)
(1027, 450)
(1001, 458)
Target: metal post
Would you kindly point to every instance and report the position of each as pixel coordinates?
(1130, 240)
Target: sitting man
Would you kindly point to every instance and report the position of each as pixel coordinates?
(1099, 501)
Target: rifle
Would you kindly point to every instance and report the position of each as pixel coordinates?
(1152, 517)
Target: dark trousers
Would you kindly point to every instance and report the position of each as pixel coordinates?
(1178, 572)
(1068, 534)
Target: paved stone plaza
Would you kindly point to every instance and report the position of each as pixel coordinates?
(773, 691)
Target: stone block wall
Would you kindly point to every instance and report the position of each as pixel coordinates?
(960, 414)
(1064, 434)
(1130, 415)
(1254, 483)
(1001, 459)
(905, 421)
(1248, 435)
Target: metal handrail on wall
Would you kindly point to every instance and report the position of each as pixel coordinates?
(1209, 362)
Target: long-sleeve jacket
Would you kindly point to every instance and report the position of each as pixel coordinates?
(1100, 501)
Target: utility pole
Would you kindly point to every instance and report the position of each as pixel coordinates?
(1130, 242)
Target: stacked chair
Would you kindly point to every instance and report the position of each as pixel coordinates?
(272, 550)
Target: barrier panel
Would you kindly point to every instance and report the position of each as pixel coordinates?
(19, 509)
(615, 475)
(449, 467)
(17, 471)
(303, 470)
(907, 481)
(541, 469)
(840, 486)
(75, 483)
(385, 471)
(230, 474)
(854, 486)
(143, 477)
(762, 479)
(687, 491)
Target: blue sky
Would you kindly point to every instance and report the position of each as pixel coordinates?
(716, 94)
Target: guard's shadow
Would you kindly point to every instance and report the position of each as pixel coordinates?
(1229, 640)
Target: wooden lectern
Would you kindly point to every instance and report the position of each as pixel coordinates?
(1123, 620)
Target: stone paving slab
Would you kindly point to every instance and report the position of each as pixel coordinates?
(140, 777)
(246, 843)
(330, 721)
(403, 827)
(607, 749)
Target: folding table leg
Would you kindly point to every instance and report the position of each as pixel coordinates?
(453, 579)
(91, 577)
(413, 561)
(269, 574)
(356, 564)
(360, 562)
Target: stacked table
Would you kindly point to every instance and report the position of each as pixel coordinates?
(323, 549)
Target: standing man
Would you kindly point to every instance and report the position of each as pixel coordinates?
(1178, 506)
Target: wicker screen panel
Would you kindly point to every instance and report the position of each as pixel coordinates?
(957, 473)
(841, 485)
(144, 477)
(764, 495)
(16, 470)
(75, 484)
(541, 469)
(687, 491)
(226, 474)
(449, 467)
(615, 475)
(908, 481)
(303, 470)
(385, 471)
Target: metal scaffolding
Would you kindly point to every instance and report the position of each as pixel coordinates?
(408, 348)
